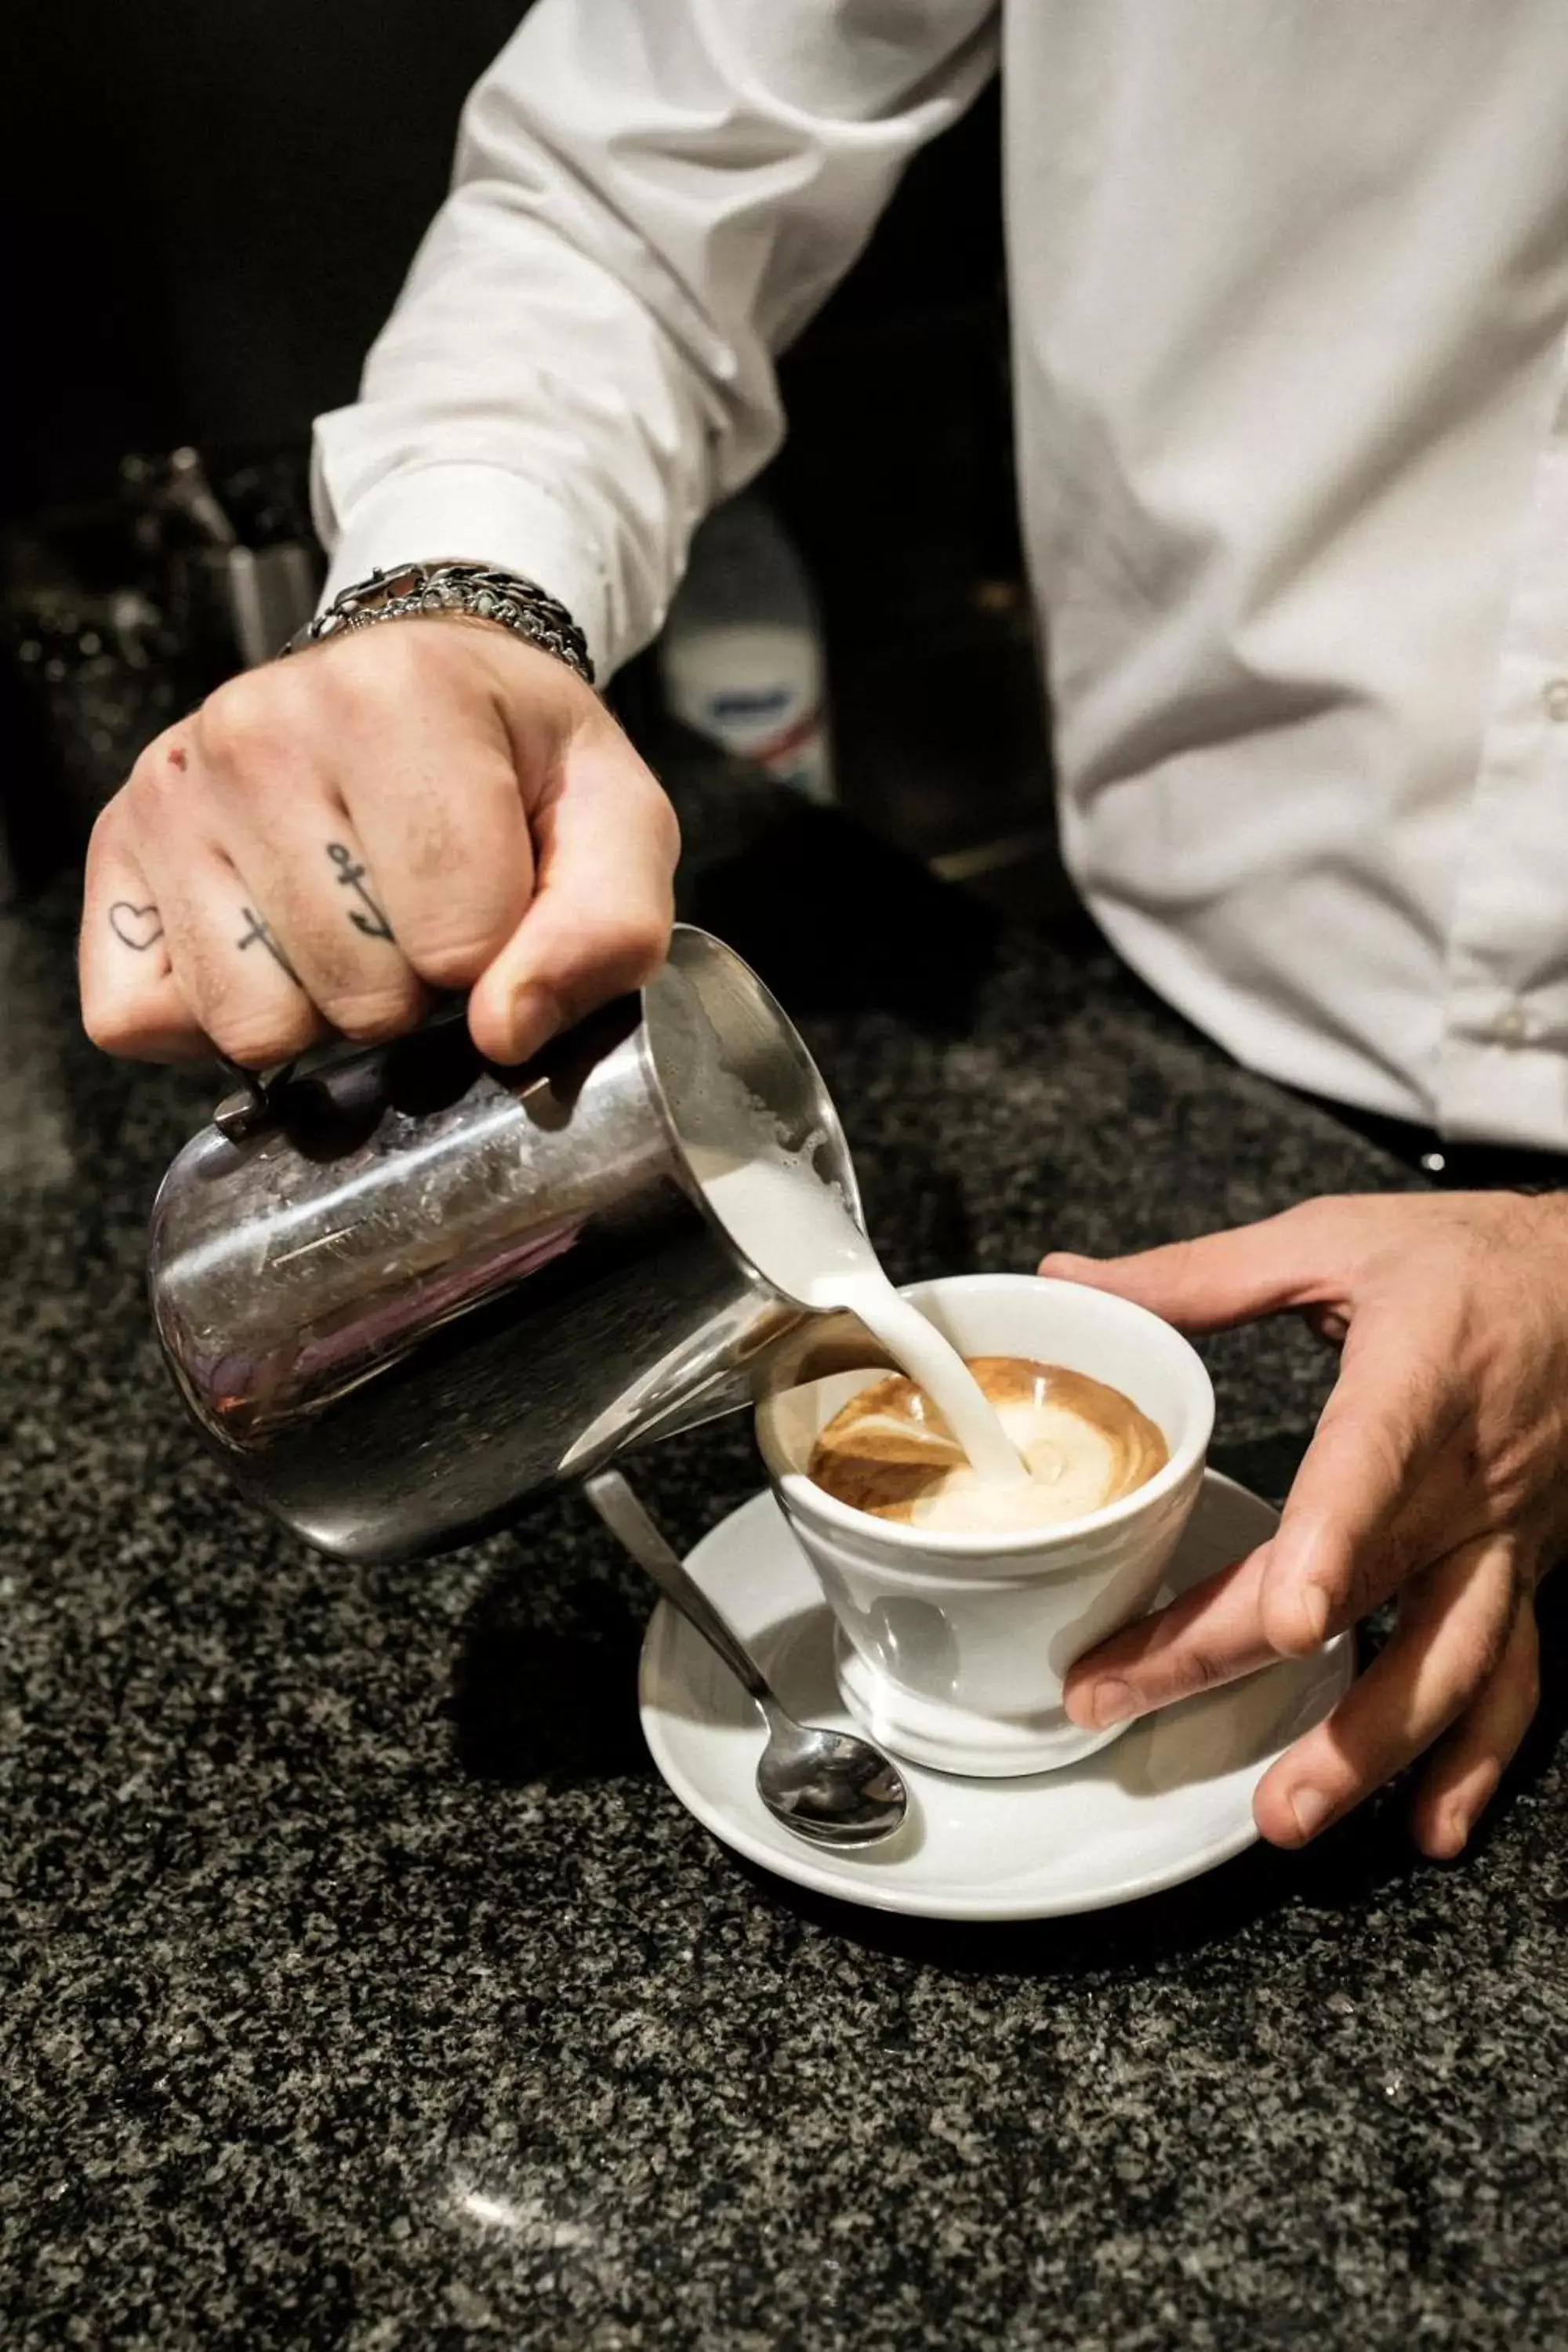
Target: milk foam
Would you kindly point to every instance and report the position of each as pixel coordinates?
(1083, 1445)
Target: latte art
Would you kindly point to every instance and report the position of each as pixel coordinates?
(890, 1453)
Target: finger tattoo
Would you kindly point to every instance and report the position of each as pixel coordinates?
(136, 926)
(372, 922)
(258, 931)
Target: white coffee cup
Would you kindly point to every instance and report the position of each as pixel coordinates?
(952, 1647)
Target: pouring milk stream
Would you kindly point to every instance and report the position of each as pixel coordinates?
(798, 1231)
(795, 1228)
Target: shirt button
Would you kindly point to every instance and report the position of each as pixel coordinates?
(1554, 694)
(1513, 1027)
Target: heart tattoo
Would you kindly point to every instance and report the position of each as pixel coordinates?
(136, 926)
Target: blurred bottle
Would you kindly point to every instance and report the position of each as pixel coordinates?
(740, 659)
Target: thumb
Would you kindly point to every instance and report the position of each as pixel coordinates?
(1219, 1278)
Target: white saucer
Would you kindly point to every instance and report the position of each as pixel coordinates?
(1169, 1798)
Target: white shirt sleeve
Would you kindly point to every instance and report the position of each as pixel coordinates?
(650, 198)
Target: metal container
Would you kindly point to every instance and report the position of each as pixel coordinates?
(403, 1292)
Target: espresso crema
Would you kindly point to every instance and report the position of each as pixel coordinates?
(889, 1450)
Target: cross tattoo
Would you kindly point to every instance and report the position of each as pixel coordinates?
(375, 924)
(258, 931)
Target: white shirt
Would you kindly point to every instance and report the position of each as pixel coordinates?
(1290, 289)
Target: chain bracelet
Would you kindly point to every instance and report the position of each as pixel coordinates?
(504, 597)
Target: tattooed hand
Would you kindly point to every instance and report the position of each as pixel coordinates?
(428, 804)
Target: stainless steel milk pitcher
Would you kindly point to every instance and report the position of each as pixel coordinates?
(408, 1288)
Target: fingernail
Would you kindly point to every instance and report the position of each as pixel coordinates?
(535, 1017)
(1466, 1811)
(1311, 1810)
(1111, 1702)
(1315, 1611)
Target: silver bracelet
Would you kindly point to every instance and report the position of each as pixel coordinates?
(518, 605)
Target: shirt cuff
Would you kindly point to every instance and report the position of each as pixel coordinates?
(474, 514)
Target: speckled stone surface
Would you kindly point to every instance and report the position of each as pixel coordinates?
(364, 1987)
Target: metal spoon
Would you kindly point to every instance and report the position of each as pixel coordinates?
(823, 1785)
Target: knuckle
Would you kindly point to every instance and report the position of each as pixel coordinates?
(1484, 1654)
(452, 959)
(369, 1016)
(1353, 1583)
(625, 951)
(628, 942)
(240, 721)
(1201, 1669)
(637, 943)
(110, 1023)
(254, 1017)
(257, 1034)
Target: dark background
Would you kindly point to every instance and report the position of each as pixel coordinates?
(210, 211)
(210, 208)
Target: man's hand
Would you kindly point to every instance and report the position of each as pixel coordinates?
(1438, 1474)
(430, 803)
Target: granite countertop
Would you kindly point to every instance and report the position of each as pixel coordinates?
(364, 1988)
